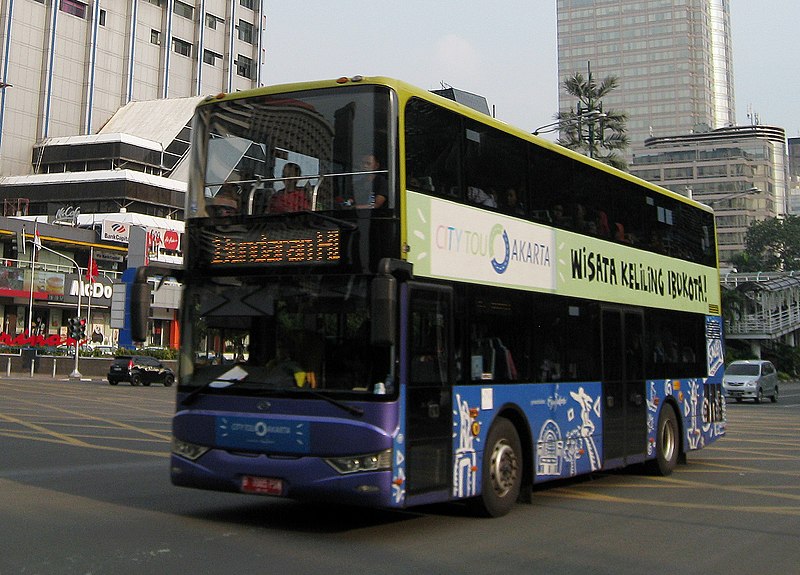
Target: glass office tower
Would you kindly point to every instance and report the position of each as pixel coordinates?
(672, 57)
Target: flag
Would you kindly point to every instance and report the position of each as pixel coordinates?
(37, 239)
(91, 270)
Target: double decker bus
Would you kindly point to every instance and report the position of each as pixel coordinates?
(391, 299)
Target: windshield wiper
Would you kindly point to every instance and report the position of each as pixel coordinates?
(340, 404)
(319, 395)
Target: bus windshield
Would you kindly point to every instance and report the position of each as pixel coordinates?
(295, 333)
(313, 150)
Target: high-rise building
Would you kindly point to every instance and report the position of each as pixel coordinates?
(793, 176)
(740, 171)
(672, 57)
(66, 66)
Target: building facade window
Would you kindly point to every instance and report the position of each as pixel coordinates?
(248, 4)
(156, 2)
(210, 57)
(184, 10)
(182, 47)
(212, 21)
(155, 37)
(244, 66)
(245, 31)
(73, 7)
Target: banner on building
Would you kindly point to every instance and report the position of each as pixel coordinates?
(160, 244)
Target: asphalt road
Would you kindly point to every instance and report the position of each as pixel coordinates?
(84, 488)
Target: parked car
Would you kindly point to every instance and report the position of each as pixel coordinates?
(139, 370)
(751, 379)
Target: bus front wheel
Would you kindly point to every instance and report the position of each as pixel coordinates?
(501, 471)
(667, 443)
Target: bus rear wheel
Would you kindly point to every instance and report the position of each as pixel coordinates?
(501, 471)
(667, 443)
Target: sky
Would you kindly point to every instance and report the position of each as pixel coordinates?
(506, 51)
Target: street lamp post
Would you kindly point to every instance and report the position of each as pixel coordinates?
(584, 116)
(75, 373)
(747, 192)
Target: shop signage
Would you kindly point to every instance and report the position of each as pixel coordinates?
(115, 231)
(53, 286)
(171, 240)
(95, 290)
(108, 256)
(24, 340)
(67, 215)
(161, 244)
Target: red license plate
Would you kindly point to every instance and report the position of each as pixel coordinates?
(262, 485)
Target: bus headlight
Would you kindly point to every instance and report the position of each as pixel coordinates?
(370, 462)
(187, 450)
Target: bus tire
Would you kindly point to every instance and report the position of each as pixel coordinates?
(501, 471)
(667, 443)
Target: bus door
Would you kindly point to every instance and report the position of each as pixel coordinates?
(624, 405)
(426, 354)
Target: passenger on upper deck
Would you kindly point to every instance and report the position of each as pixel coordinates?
(513, 203)
(291, 198)
(376, 183)
(225, 203)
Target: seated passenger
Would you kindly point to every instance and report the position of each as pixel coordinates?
(375, 183)
(513, 203)
(225, 203)
(282, 370)
(291, 198)
(480, 197)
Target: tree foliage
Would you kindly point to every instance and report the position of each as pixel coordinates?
(771, 245)
(600, 135)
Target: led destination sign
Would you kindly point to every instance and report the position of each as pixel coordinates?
(277, 247)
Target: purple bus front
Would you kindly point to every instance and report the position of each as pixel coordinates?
(286, 392)
(277, 447)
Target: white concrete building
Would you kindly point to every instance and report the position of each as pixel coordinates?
(69, 65)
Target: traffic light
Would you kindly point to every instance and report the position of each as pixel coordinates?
(73, 327)
(81, 329)
(18, 243)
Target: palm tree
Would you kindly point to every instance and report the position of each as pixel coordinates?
(587, 128)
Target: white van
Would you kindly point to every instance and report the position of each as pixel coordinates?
(752, 379)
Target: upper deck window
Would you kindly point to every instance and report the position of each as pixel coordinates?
(314, 150)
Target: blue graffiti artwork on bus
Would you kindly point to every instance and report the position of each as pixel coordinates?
(714, 348)
(465, 460)
(567, 435)
(568, 441)
(700, 404)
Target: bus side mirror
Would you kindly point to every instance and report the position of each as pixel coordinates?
(139, 300)
(140, 309)
(384, 311)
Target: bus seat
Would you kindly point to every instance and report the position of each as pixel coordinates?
(258, 200)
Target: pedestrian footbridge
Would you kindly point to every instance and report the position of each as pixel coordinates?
(762, 307)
